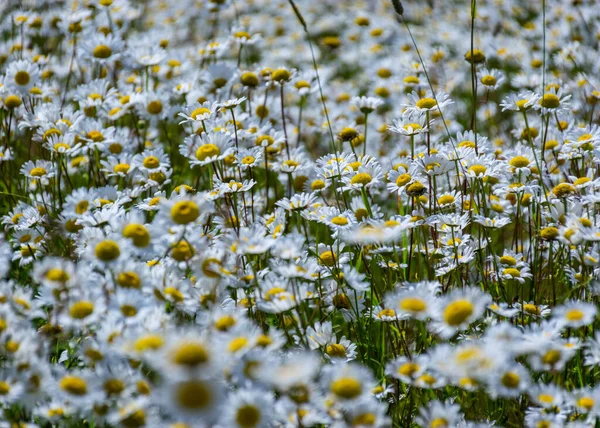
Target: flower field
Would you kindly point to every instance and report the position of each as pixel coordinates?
(299, 213)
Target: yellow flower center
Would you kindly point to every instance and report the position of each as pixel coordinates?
(519, 162)
(60, 146)
(135, 419)
(467, 382)
(551, 357)
(508, 260)
(12, 101)
(512, 272)
(184, 212)
(56, 412)
(415, 189)
(193, 394)
(574, 315)
(521, 104)
(387, 313)
(121, 168)
(102, 52)
(408, 369)
(264, 341)
(346, 387)
(586, 402)
(74, 385)
(237, 344)
(335, 350)
(273, 292)
(281, 75)
(154, 107)
(327, 258)
(510, 380)
(151, 162)
(128, 310)
(361, 214)
(264, 140)
(413, 126)
(439, 423)
(190, 354)
(38, 172)
(427, 378)
(114, 386)
(446, 200)
(95, 136)
(143, 387)
(208, 267)
(207, 151)
(248, 416)
(81, 310)
(403, 179)
(413, 304)
(302, 84)
(148, 342)
(317, 185)
(365, 420)
(157, 176)
(22, 78)
(182, 251)
(488, 80)
(426, 103)
(458, 312)
(201, 111)
(57, 275)
(138, 233)
(174, 294)
(531, 308)
(562, 190)
(129, 280)
(248, 160)
(339, 221)
(549, 233)
(72, 227)
(478, 170)
(476, 55)
(27, 251)
(582, 180)
(348, 134)
(550, 101)
(341, 301)
(225, 323)
(250, 79)
(107, 250)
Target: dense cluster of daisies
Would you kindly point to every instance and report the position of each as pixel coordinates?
(277, 213)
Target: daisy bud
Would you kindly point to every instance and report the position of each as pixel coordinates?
(398, 7)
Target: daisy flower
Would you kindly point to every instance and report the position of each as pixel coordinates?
(458, 309)
(419, 105)
(575, 314)
(22, 76)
